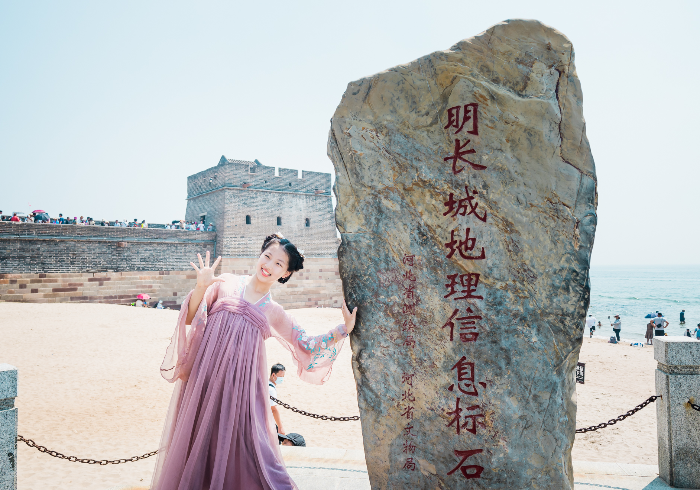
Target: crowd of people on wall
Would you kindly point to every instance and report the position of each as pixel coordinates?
(43, 217)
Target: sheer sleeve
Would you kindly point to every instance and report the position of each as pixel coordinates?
(184, 343)
(313, 355)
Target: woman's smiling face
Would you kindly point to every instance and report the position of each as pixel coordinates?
(272, 264)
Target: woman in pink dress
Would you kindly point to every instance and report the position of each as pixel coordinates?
(219, 433)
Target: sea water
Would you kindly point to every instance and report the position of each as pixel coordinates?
(634, 291)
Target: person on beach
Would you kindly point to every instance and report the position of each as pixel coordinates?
(219, 433)
(687, 332)
(292, 439)
(590, 323)
(277, 374)
(617, 326)
(659, 325)
(697, 332)
(650, 333)
(682, 317)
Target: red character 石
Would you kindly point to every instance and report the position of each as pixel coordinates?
(457, 119)
(464, 207)
(458, 156)
(467, 469)
(463, 247)
(468, 282)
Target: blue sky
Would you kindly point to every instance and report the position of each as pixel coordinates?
(107, 107)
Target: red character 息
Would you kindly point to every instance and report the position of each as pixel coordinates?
(409, 447)
(468, 282)
(470, 422)
(456, 119)
(407, 379)
(464, 207)
(463, 247)
(465, 377)
(458, 156)
(409, 464)
(466, 469)
(408, 260)
(468, 323)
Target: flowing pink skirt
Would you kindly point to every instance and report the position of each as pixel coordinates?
(222, 435)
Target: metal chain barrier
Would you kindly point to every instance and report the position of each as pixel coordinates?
(75, 459)
(694, 406)
(103, 462)
(622, 417)
(313, 415)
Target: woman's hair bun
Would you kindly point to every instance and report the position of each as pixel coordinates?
(296, 256)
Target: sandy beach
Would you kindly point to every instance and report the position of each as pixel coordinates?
(89, 386)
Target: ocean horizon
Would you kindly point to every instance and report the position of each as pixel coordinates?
(635, 291)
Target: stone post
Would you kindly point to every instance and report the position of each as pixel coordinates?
(678, 425)
(8, 427)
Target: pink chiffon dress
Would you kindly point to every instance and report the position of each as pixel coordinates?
(219, 432)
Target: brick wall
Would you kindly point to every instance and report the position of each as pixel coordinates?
(234, 190)
(44, 248)
(318, 284)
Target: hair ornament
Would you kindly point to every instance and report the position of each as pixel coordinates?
(301, 252)
(279, 235)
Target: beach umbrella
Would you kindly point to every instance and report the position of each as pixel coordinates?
(38, 211)
(143, 296)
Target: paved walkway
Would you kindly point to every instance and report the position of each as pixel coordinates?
(340, 469)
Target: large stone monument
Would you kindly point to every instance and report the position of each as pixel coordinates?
(467, 208)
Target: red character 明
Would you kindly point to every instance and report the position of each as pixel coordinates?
(456, 119)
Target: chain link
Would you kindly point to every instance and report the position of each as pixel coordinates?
(622, 417)
(313, 415)
(75, 459)
(694, 406)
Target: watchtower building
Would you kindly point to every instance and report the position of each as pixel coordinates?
(247, 201)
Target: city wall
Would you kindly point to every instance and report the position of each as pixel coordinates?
(43, 263)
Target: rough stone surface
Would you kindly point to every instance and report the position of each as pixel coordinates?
(535, 177)
(8, 427)
(678, 425)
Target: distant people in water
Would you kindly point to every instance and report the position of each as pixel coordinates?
(617, 326)
(650, 333)
(682, 317)
(659, 326)
(590, 323)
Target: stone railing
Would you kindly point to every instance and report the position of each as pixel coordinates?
(677, 423)
(8, 427)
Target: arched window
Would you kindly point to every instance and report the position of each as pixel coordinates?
(247, 219)
(307, 223)
(279, 221)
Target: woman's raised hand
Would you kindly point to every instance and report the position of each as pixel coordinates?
(349, 318)
(205, 274)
